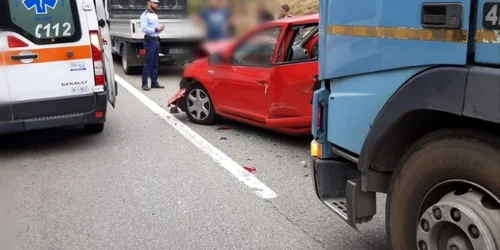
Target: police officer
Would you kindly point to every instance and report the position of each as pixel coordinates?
(151, 29)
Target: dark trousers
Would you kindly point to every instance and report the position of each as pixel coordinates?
(152, 47)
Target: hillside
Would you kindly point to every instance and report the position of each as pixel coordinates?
(299, 7)
(244, 10)
(303, 7)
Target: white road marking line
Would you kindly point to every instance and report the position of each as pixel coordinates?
(218, 156)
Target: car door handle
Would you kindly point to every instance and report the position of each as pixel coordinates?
(22, 57)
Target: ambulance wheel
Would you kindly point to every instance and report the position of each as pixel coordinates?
(129, 70)
(94, 128)
(445, 193)
(198, 105)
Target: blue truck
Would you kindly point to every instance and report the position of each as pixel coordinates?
(408, 104)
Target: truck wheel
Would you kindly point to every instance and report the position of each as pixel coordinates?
(198, 105)
(445, 194)
(129, 70)
(95, 128)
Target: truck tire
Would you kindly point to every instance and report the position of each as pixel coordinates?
(445, 193)
(129, 70)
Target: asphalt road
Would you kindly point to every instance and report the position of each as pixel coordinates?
(142, 185)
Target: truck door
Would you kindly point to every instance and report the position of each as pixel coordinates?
(5, 108)
(108, 50)
(370, 36)
(488, 32)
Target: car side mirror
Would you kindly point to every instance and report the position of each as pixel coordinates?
(217, 59)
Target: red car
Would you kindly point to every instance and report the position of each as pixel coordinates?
(265, 78)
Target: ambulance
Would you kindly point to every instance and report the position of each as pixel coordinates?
(56, 66)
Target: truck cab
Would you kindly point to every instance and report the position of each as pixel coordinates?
(409, 105)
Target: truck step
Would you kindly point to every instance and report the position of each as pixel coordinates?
(357, 207)
(338, 186)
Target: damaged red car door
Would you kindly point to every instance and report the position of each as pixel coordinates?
(241, 85)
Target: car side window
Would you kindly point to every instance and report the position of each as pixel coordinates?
(258, 49)
(302, 46)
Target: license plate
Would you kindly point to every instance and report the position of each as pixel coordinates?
(77, 90)
(175, 51)
(491, 15)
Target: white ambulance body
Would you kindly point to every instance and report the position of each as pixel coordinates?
(55, 67)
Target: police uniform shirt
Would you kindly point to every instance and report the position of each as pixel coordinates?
(149, 23)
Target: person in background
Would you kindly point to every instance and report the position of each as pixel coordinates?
(284, 12)
(215, 20)
(230, 24)
(264, 15)
(151, 29)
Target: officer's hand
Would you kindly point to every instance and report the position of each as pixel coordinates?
(161, 28)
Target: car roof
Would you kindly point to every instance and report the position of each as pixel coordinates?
(299, 19)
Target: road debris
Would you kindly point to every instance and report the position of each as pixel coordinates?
(303, 164)
(174, 109)
(223, 138)
(223, 128)
(250, 169)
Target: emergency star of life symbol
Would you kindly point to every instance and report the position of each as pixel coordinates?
(40, 6)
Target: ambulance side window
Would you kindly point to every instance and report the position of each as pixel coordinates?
(42, 21)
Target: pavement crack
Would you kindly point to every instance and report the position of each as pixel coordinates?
(296, 224)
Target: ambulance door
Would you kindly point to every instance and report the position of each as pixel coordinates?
(50, 66)
(108, 50)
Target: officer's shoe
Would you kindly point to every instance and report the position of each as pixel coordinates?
(157, 86)
(145, 88)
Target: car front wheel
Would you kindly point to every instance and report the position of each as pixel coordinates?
(199, 106)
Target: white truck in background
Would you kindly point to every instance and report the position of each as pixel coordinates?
(179, 40)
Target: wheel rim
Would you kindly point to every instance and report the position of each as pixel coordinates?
(466, 218)
(198, 104)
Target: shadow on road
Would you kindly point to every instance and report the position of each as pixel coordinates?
(301, 140)
(43, 141)
(243, 129)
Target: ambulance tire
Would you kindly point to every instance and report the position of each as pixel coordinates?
(94, 128)
(447, 165)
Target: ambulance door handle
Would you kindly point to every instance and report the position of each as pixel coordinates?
(23, 57)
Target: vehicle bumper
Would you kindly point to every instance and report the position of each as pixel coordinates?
(89, 117)
(338, 185)
(177, 98)
(165, 57)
